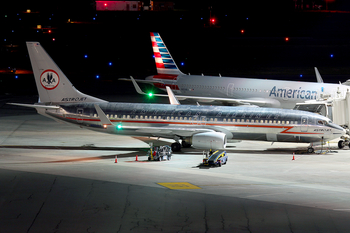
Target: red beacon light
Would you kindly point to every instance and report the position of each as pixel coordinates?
(286, 39)
(242, 31)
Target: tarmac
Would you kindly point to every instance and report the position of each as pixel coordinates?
(58, 178)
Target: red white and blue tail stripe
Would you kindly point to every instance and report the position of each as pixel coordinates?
(164, 62)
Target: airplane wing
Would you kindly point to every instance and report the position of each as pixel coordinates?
(142, 80)
(36, 106)
(257, 102)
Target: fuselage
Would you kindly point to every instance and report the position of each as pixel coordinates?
(169, 121)
(277, 93)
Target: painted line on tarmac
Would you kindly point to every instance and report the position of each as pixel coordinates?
(179, 185)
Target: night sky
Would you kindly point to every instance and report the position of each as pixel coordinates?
(116, 45)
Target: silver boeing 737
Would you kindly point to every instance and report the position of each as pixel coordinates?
(203, 127)
(234, 90)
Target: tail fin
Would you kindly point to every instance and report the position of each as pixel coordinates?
(53, 86)
(164, 62)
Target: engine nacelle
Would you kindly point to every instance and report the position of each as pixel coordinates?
(209, 140)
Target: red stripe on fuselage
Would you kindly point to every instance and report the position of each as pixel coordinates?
(286, 131)
(163, 86)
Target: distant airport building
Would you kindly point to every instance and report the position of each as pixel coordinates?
(134, 6)
(119, 5)
(162, 6)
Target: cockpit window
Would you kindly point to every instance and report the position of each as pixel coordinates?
(321, 122)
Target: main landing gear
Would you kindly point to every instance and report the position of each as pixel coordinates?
(176, 146)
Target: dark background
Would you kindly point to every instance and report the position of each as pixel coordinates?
(318, 38)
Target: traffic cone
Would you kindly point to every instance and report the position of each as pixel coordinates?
(293, 156)
(116, 159)
(137, 159)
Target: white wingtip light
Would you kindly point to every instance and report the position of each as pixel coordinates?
(172, 98)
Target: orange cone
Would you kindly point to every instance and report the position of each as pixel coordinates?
(293, 156)
(116, 159)
(137, 159)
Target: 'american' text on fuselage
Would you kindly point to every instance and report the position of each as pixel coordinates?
(290, 93)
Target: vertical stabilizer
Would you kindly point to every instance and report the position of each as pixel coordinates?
(53, 86)
(164, 62)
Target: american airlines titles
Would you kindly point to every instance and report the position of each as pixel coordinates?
(293, 93)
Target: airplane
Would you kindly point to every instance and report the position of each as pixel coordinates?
(202, 127)
(233, 90)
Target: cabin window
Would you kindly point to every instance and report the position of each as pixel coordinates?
(159, 118)
(278, 122)
(185, 118)
(229, 120)
(136, 117)
(216, 119)
(287, 122)
(176, 118)
(181, 118)
(283, 122)
(95, 115)
(146, 117)
(128, 116)
(141, 117)
(238, 120)
(224, 119)
(266, 121)
(172, 118)
(270, 121)
(261, 121)
(168, 118)
(274, 121)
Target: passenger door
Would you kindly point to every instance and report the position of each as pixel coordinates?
(304, 124)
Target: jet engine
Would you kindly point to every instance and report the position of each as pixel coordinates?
(209, 140)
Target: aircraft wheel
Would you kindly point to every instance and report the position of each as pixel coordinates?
(310, 150)
(176, 146)
(341, 144)
(185, 144)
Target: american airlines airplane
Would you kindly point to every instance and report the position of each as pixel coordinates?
(203, 127)
(232, 90)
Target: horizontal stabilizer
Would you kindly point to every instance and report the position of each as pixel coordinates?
(36, 106)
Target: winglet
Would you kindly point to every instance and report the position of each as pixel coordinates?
(172, 98)
(318, 76)
(103, 118)
(137, 87)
